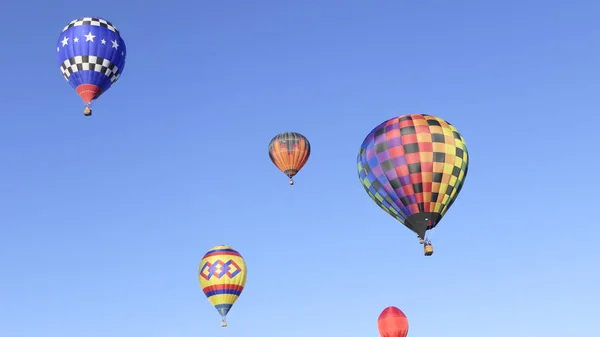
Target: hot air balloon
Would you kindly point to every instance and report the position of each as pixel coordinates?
(222, 276)
(413, 167)
(392, 322)
(289, 151)
(91, 55)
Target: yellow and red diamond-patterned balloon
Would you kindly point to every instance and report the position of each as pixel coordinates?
(222, 276)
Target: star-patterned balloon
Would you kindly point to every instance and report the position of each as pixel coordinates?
(91, 55)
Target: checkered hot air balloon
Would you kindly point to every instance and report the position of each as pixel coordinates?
(222, 276)
(413, 167)
(289, 151)
(91, 55)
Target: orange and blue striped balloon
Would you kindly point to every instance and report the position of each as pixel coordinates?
(222, 277)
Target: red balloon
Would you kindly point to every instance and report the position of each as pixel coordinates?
(392, 323)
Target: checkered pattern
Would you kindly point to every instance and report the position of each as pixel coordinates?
(413, 164)
(92, 22)
(94, 63)
(289, 151)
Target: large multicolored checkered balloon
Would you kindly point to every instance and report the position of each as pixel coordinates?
(91, 55)
(413, 167)
(222, 276)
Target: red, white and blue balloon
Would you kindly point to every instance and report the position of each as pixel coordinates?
(91, 55)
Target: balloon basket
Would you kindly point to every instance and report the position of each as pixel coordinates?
(87, 111)
(291, 182)
(223, 324)
(428, 250)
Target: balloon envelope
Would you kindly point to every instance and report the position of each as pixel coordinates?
(392, 322)
(413, 167)
(91, 56)
(289, 151)
(222, 277)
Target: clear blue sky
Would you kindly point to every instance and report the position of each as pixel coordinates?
(103, 220)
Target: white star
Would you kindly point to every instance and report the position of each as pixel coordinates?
(115, 44)
(65, 41)
(89, 37)
(57, 49)
(76, 39)
(103, 41)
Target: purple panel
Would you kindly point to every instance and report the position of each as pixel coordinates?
(400, 193)
(394, 126)
(397, 141)
(377, 171)
(383, 156)
(380, 138)
(399, 161)
(405, 180)
(387, 188)
(370, 153)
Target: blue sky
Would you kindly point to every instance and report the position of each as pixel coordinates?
(103, 220)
